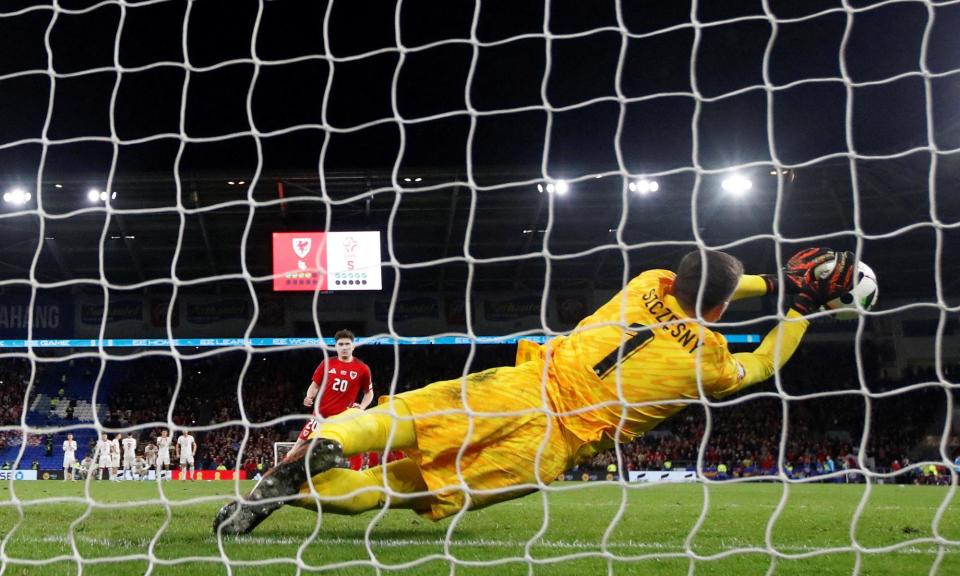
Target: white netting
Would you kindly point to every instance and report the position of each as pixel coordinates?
(687, 137)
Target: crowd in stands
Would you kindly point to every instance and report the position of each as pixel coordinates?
(209, 394)
(218, 393)
(14, 377)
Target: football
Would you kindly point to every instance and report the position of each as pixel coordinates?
(862, 297)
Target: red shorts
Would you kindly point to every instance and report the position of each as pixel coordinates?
(308, 428)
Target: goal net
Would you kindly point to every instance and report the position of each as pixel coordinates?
(199, 194)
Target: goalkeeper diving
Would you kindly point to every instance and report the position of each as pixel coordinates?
(505, 432)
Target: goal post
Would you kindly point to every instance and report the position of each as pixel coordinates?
(280, 450)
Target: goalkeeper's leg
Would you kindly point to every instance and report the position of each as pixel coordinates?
(344, 491)
(351, 432)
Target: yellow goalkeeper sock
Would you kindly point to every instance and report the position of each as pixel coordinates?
(359, 431)
(365, 488)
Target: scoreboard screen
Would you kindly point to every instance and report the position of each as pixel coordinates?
(326, 261)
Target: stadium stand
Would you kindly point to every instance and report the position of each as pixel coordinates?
(824, 433)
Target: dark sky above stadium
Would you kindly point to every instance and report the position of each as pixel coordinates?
(454, 81)
(883, 46)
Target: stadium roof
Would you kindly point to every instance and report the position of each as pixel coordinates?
(164, 103)
(508, 224)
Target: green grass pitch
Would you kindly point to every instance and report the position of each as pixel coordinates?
(578, 532)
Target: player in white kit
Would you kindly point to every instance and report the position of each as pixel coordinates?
(129, 455)
(104, 460)
(86, 467)
(140, 468)
(150, 455)
(115, 458)
(163, 453)
(186, 448)
(69, 457)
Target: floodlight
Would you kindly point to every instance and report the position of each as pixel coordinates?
(16, 196)
(540, 188)
(644, 186)
(736, 184)
(93, 195)
(562, 187)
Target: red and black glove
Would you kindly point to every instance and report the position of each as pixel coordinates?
(800, 279)
(798, 271)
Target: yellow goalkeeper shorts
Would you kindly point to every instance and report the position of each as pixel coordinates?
(487, 439)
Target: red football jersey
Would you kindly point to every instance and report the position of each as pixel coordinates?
(339, 384)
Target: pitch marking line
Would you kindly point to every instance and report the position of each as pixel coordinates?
(479, 543)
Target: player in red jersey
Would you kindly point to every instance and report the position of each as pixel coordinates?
(335, 385)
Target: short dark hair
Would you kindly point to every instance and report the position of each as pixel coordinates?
(723, 275)
(344, 334)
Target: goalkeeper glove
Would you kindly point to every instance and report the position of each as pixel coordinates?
(818, 291)
(800, 279)
(798, 271)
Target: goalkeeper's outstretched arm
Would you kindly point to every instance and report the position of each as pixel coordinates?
(762, 363)
(751, 286)
(808, 294)
(773, 352)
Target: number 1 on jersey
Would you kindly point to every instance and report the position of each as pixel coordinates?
(615, 358)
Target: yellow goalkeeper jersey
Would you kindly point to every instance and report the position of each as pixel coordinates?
(623, 362)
